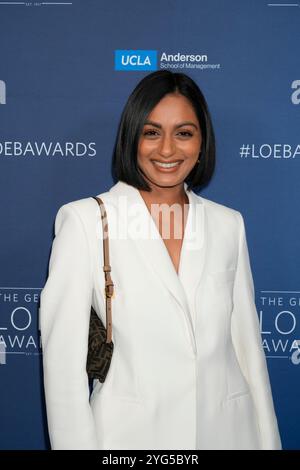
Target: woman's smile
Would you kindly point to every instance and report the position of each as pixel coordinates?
(167, 167)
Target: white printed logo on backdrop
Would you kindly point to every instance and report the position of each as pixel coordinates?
(19, 332)
(279, 314)
(284, 151)
(295, 96)
(35, 4)
(2, 92)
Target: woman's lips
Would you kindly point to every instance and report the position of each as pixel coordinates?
(167, 166)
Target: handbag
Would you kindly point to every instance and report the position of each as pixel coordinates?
(100, 344)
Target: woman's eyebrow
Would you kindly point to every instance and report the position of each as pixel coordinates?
(185, 123)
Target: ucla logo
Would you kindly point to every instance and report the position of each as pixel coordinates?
(2, 92)
(135, 60)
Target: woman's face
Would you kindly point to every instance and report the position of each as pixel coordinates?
(170, 142)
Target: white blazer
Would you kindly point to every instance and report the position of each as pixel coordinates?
(188, 369)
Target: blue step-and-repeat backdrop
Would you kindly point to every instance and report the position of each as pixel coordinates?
(66, 71)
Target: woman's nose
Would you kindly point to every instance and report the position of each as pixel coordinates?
(167, 146)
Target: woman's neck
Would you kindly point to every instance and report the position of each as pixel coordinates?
(165, 195)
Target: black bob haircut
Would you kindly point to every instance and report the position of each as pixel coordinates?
(146, 95)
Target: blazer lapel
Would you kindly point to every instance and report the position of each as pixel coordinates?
(151, 247)
(193, 252)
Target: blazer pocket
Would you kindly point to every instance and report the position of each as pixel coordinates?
(239, 394)
(222, 277)
(125, 377)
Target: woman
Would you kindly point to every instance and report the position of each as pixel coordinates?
(188, 369)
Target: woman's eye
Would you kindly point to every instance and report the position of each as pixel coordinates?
(150, 132)
(183, 133)
(187, 133)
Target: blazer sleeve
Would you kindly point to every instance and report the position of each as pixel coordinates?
(65, 305)
(248, 346)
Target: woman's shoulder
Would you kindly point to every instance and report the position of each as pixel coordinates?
(218, 207)
(84, 206)
(85, 210)
(222, 215)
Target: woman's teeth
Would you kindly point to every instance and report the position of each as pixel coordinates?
(166, 165)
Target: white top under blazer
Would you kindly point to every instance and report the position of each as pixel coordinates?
(188, 369)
